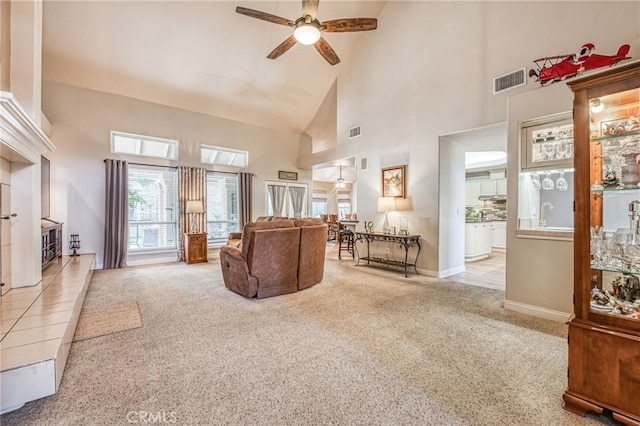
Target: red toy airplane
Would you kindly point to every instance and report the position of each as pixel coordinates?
(557, 68)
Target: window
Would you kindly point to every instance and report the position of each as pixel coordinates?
(318, 203)
(153, 208)
(144, 146)
(223, 156)
(344, 204)
(292, 198)
(222, 206)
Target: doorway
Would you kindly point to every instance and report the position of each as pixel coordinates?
(486, 205)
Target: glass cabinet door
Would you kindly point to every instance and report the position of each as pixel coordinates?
(548, 144)
(614, 134)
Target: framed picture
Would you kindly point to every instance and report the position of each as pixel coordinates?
(287, 175)
(393, 181)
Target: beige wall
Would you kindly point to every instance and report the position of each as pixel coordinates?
(5, 44)
(432, 76)
(26, 55)
(82, 120)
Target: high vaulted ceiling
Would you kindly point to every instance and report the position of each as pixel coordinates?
(198, 55)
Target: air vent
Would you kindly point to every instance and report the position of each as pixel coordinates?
(354, 132)
(363, 164)
(509, 81)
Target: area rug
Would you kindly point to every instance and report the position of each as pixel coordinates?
(102, 320)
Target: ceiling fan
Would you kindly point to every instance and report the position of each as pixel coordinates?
(307, 29)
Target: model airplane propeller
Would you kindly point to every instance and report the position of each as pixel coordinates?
(308, 29)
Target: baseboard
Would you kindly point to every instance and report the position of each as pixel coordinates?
(427, 272)
(452, 271)
(536, 311)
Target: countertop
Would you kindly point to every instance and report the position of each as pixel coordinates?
(484, 220)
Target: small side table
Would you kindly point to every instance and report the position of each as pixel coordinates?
(195, 247)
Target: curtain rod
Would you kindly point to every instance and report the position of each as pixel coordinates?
(175, 167)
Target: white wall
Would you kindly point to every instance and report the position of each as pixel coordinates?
(539, 272)
(82, 120)
(452, 208)
(428, 72)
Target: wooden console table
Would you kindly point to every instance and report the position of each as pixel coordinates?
(405, 241)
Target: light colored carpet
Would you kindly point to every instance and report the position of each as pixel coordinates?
(102, 320)
(364, 347)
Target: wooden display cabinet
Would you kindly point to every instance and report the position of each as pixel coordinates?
(195, 247)
(604, 333)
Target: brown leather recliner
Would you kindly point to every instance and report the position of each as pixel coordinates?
(266, 263)
(275, 257)
(313, 242)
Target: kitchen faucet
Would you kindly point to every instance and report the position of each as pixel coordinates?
(543, 222)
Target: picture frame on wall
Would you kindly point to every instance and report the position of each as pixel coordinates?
(287, 175)
(393, 181)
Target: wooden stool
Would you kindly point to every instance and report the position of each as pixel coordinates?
(346, 237)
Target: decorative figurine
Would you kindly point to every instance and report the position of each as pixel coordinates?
(368, 226)
(610, 179)
(560, 67)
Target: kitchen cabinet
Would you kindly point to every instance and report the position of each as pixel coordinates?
(493, 187)
(477, 243)
(477, 188)
(548, 144)
(471, 193)
(488, 187)
(499, 235)
(604, 330)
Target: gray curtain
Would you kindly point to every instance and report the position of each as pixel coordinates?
(296, 194)
(116, 219)
(192, 186)
(276, 195)
(246, 196)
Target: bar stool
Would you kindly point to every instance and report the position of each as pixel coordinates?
(346, 242)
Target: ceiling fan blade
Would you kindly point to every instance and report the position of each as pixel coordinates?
(264, 16)
(310, 7)
(282, 47)
(326, 51)
(350, 24)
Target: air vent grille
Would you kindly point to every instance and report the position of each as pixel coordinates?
(363, 164)
(509, 81)
(354, 132)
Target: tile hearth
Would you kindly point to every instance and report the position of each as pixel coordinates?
(37, 327)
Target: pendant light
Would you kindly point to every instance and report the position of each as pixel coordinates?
(340, 181)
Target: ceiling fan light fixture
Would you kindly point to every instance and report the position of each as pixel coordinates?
(306, 33)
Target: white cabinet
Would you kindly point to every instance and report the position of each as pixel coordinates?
(477, 244)
(493, 187)
(499, 235)
(487, 187)
(471, 193)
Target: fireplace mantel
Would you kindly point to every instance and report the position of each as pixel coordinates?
(19, 133)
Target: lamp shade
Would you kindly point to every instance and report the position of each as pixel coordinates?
(386, 204)
(195, 206)
(403, 204)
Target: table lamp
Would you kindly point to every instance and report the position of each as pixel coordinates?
(386, 205)
(194, 207)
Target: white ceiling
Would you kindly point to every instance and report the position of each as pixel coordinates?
(199, 55)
